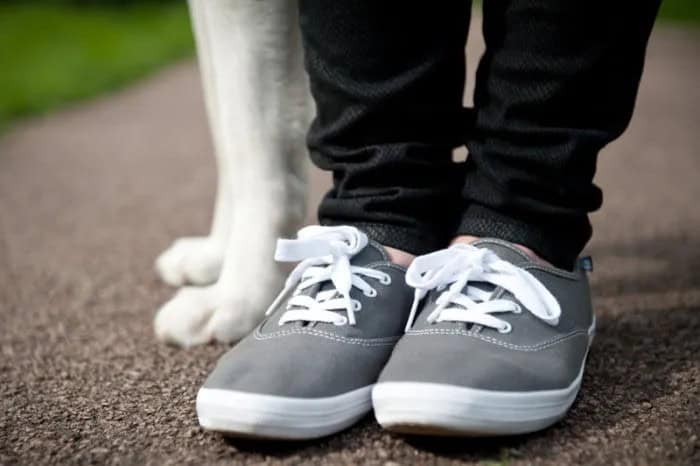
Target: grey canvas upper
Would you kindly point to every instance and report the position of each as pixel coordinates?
(318, 359)
(532, 356)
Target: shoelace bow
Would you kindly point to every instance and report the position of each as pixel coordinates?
(325, 254)
(461, 264)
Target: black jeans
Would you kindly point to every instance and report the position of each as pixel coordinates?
(558, 81)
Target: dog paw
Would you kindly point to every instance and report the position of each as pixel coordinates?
(197, 315)
(191, 261)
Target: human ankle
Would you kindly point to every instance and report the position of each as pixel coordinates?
(399, 257)
(468, 239)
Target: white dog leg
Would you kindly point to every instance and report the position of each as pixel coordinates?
(197, 260)
(264, 112)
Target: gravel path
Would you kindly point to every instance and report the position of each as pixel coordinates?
(89, 196)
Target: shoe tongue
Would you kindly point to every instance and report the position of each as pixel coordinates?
(504, 250)
(371, 253)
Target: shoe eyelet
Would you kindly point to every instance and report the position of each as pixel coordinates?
(371, 293)
(342, 321)
(356, 306)
(385, 280)
(507, 328)
(518, 309)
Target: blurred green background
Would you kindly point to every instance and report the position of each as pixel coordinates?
(56, 51)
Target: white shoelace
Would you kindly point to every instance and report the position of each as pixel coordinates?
(461, 264)
(325, 254)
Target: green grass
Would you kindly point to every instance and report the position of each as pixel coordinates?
(686, 11)
(52, 53)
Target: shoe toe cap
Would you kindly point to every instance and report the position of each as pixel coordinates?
(301, 365)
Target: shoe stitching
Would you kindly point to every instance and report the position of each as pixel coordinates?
(389, 265)
(386, 341)
(558, 273)
(527, 259)
(505, 244)
(495, 341)
(381, 249)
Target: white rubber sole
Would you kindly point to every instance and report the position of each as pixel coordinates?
(244, 414)
(440, 409)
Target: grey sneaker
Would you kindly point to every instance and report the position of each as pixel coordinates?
(498, 346)
(307, 371)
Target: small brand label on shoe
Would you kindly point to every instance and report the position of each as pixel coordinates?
(586, 263)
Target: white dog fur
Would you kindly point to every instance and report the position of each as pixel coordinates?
(258, 105)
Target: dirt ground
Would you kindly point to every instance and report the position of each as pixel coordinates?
(89, 196)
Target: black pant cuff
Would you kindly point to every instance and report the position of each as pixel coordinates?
(558, 242)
